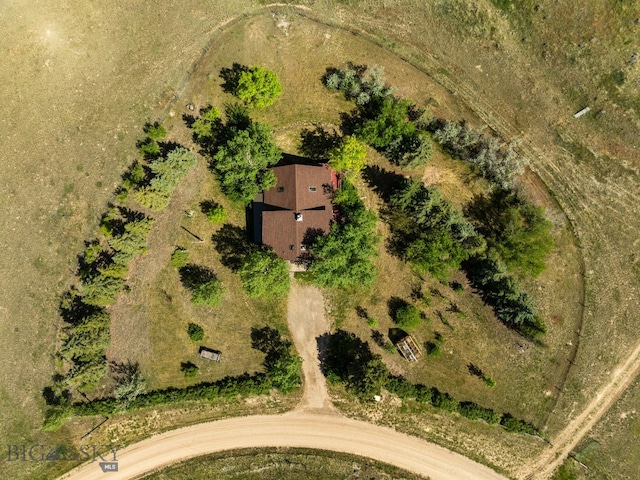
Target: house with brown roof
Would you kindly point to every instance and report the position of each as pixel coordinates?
(288, 216)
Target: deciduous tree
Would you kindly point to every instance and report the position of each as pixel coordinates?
(258, 87)
(349, 157)
(264, 274)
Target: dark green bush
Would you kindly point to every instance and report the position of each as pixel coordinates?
(408, 318)
(195, 331)
(189, 369)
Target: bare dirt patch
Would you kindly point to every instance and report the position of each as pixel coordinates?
(307, 323)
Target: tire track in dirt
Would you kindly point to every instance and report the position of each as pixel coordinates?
(307, 324)
(575, 431)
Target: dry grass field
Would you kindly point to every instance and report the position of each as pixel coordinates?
(614, 438)
(80, 80)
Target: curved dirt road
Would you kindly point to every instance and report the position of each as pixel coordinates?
(297, 429)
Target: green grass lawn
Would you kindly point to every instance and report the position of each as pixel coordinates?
(281, 463)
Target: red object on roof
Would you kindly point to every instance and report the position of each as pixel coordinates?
(299, 205)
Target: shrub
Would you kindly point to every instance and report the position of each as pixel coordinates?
(401, 387)
(389, 347)
(207, 293)
(372, 322)
(358, 82)
(512, 424)
(489, 382)
(129, 383)
(205, 287)
(155, 131)
(473, 411)
(445, 401)
(214, 211)
(408, 317)
(205, 126)
(55, 416)
(433, 349)
(179, 257)
(195, 331)
(189, 369)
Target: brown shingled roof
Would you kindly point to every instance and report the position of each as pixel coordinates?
(300, 201)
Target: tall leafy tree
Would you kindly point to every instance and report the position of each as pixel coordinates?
(241, 162)
(515, 228)
(258, 87)
(344, 257)
(264, 274)
(350, 361)
(349, 158)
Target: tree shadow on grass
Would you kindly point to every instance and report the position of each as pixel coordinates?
(317, 143)
(193, 276)
(396, 334)
(73, 310)
(394, 304)
(378, 338)
(383, 182)
(231, 77)
(56, 394)
(233, 245)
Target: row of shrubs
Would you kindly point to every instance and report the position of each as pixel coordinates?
(403, 132)
(496, 160)
(387, 123)
(282, 372)
(103, 266)
(443, 401)
(351, 362)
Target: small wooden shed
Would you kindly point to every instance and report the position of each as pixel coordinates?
(409, 348)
